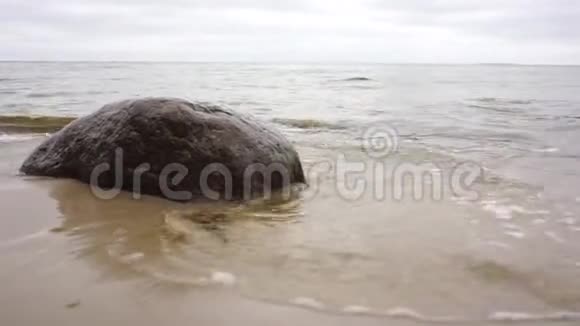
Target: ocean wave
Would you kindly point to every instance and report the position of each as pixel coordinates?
(493, 108)
(53, 94)
(358, 79)
(12, 138)
(67, 94)
(308, 123)
(503, 101)
(506, 212)
(12, 124)
(307, 303)
(354, 79)
(528, 317)
(546, 150)
(413, 315)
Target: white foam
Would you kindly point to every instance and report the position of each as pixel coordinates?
(498, 244)
(510, 316)
(223, 278)
(10, 138)
(402, 312)
(513, 230)
(308, 302)
(176, 224)
(511, 226)
(554, 236)
(501, 212)
(505, 212)
(547, 150)
(132, 258)
(522, 316)
(521, 210)
(568, 221)
(515, 234)
(356, 309)
(171, 278)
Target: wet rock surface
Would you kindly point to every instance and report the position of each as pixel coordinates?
(170, 148)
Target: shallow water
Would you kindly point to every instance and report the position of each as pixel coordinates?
(507, 249)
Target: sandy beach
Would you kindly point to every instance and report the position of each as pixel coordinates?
(55, 242)
(80, 259)
(329, 254)
(308, 162)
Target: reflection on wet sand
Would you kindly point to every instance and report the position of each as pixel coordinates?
(267, 251)
(186, 246)
(171, 242)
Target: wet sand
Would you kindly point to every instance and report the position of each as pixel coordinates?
(45, 281)
(48, 280)
(70, 258)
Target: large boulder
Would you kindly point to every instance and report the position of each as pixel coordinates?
(170, 148)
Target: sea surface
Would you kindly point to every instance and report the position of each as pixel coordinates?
(501, 246)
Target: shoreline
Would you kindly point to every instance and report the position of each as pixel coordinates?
(84, 282)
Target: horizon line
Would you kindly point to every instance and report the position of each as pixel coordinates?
(293, 62)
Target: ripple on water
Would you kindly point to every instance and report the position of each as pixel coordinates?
(309, 124)
(307, 303)
(11, 138)
(503, 101)
(223, 278)
(131, 258)
(554, 236)
(515, 234)
(354, 309)
(51, 94)
(546, 150)
(219, 245)
(523, 316)
(513, 230)
(506, 212)
(355, 79)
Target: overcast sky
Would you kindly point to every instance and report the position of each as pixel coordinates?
(402, 31)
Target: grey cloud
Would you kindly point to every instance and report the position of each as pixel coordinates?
(556, 19)
(318, 30)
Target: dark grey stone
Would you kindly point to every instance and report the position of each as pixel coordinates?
(162, 131)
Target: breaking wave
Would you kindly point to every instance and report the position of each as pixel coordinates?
(308, 123)
(32, 124)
